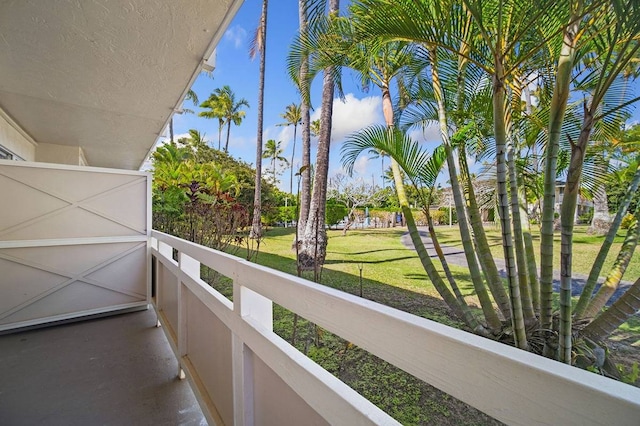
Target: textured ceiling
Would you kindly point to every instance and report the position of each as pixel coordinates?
(103, 75)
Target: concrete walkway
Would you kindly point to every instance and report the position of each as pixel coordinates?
(455, 256)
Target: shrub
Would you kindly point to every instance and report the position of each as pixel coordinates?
(627, 221)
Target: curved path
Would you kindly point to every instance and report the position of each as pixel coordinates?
(455, 256)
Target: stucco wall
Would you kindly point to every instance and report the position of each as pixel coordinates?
(60, 154)
(16, 140)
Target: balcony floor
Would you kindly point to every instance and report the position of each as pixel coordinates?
(109, 371)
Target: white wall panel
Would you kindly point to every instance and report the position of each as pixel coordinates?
(73, 242)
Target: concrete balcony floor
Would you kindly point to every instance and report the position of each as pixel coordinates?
(117, 370)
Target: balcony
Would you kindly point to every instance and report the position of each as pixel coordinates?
(116, 370)
(76, 243)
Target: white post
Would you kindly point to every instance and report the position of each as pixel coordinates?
(191, 267)
(246, 303)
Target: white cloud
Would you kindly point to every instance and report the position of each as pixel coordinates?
(236, 35)
(352, 115)
(285, 135)
(431, 133)
(361, 164)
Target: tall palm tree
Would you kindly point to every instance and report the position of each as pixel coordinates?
(502, 42)
(573, 45)
(314, 240)
(293, 117)
(620, 23)
(303, 83)
(259, 47)
(273, 152)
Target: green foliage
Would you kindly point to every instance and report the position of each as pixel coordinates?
(441, 216)
(627, 221)
(279, 215)
(631, 375)
(616, 191)
(335, 212)
(586, 218)
(202, 194)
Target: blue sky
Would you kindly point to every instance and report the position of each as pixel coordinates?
(234, 68)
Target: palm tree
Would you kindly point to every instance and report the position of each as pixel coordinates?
(216, 107)
(191, 96)
(417, 166)
(315, 128)
(273, 152)
(259, 47)
(223, 106)
(314, 240)
(293, 117)
(620, 23)
(510, 38)
(302, 82)
(594, 274)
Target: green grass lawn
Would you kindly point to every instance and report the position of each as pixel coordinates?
(585, 248)
(387, 265)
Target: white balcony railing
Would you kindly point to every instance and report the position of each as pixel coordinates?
(241, 371)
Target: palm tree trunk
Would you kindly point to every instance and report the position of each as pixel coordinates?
(525, 291)
(567, 214)
(500, 132)
(556, 117)
(171, 129)
(606, 245)
(617, 272)
(456, 304)
(256, 228)
(487, 261)
(622, 309)
(305, 194)
(293, 154)
(460, 309)
(443, 259)
(532, 269)
(220, 125)
(476, 276)
(314, 242)
(226, 144)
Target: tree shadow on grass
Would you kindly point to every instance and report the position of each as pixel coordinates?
(405, 300)
(363, 252)
(370, 262)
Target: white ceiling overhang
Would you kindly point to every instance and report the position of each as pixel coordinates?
(105, 75)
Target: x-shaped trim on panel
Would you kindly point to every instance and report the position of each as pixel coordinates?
(72, 205)
(72, 277)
